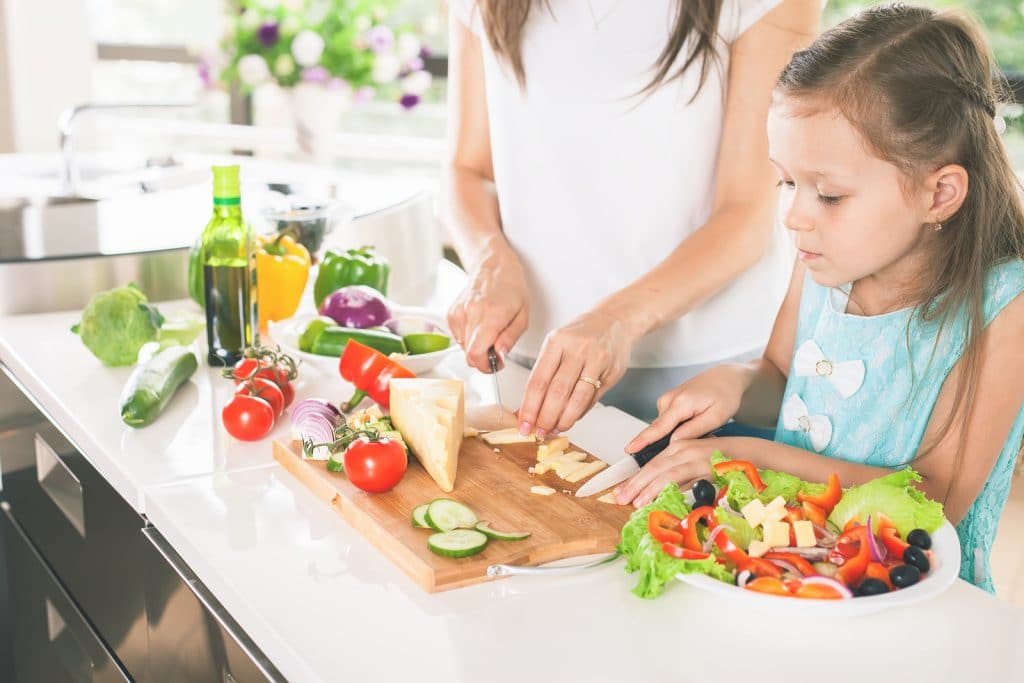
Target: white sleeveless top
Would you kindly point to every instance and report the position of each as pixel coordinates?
(596, 187)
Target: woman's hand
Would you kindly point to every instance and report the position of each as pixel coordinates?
(492, 310)
(684, 461)
(578, 364)
(697, 407)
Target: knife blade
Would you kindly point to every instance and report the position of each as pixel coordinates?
(625, 468)
(492, 360)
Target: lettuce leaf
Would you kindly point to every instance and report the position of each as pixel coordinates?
(894, 496)
(741, 491)
(644, 554)
(738, 528)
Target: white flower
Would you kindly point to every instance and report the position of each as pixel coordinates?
(317, 12)
(252, 69)
(363, 23)
(284, 66)
(408, 47)
(386, 68)
(416, 83)
(307, 47)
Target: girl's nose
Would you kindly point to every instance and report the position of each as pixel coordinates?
(793, 218)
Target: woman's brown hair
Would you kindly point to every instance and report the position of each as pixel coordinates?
(919, 86)
(505, 22)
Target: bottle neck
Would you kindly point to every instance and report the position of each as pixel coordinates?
(227, 206)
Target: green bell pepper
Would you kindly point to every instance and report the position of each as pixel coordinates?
(352, 267)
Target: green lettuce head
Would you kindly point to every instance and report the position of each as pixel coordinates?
(117, 323)
(894, 496)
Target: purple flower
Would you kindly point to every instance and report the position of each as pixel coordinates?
(316, 74)
(409, 101)
(339, 84)
(424, 52)
(204, 72)
(268, 33)
(380, 38)
(415, 64)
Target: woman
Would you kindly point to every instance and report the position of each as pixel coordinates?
(609, 191)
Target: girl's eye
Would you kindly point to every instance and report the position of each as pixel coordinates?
(829, 199)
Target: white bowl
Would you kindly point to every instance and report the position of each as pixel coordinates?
(286, 334)
(945, 567)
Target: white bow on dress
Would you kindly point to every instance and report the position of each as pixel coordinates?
(846, 376)
(796, 417)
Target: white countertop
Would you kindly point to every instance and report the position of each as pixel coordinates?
(324, 605)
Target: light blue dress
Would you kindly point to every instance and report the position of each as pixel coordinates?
(862, 389)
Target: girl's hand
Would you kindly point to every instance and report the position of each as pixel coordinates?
(492, 310)
(697, 407)
(578, 364)
(684, 462)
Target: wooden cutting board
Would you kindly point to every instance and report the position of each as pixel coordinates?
(496, 485)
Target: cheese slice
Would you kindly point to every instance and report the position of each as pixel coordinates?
(758, 548)
(542, 490)
(754, 512)
(804, 532)
(608, 498)
(585, 470)
(505, 436)
(430, 414)
(776, 534)
(549, 448)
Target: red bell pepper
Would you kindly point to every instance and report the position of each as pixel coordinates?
(721, 494)
(768, 584)
(893, 543)
(746, 468)
(878, 571)
(814, 513)
(828, 498)
(681, 553)
(664, 527)
(370, 372)
(759, 566)
(853, 569)
(800, 563)
(794, 514)
(691, 540)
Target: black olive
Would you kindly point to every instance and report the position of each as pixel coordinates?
(871, 587)
(920, 538)
(703, 493)
(916, 557)
(904, 575)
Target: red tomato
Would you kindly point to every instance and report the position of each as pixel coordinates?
(278, 375)
(265, 389)
(248, 418)
(375, 466)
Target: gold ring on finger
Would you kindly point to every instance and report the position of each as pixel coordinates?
(596, 383)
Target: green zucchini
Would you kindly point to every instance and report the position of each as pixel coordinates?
(312, 331)
(332, 340)
(457, 543)
(153, 383)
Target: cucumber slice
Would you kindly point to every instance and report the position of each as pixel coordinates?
(419, 516)
(336, 463)
(457, 543)
(485, 529)
(445, 514)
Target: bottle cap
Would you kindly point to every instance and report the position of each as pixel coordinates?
(225, 184)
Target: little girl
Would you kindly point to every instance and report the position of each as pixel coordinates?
(900, 340)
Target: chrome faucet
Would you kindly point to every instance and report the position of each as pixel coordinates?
(65, 125)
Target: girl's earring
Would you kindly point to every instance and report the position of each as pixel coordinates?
(938, 226)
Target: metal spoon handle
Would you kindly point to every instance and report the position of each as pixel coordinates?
(511, 569)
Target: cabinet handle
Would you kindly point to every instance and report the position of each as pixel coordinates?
(60, 484)
(212, 606)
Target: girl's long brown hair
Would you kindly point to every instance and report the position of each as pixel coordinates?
(505, 22)
(919, 87)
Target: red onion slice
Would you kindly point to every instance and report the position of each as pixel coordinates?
(826, 539)
(711, 537)
(791, 568)
(877, 550)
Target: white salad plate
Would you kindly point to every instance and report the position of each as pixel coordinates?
(945, 567)
(285, 333)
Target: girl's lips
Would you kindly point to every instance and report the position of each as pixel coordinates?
(808, 255)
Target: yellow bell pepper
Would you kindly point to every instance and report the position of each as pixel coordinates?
(282, 269)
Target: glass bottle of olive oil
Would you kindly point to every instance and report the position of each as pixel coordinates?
(229, 273)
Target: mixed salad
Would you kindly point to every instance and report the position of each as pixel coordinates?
(773, 533)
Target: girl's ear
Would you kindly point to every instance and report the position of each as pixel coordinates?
(948, 189)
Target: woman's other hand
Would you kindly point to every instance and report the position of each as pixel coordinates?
(492, 310)
(577, 365)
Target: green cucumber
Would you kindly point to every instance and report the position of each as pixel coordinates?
(457, 543)
(486, 530)
(313, 330)
(445, 514)
(336, 462)
(153, 383)
(332, 340)
(419, 517)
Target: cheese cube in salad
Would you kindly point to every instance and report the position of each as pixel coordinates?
(754, 512)
(776, 534)
(804, 532)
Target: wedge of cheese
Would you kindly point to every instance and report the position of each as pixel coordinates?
(430, 414)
